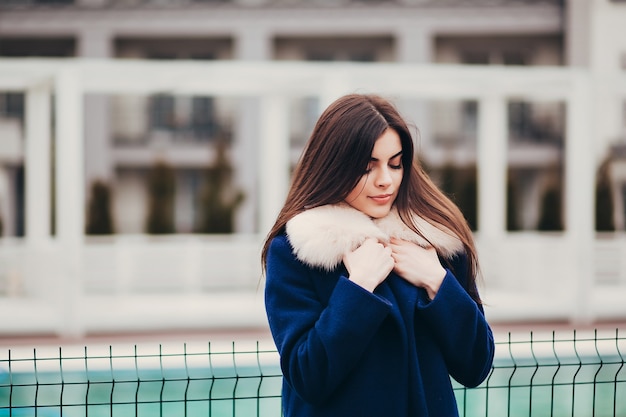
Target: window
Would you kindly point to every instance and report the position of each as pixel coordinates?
(37, 47)
(162, 112)
(12, 105)
(335, 48)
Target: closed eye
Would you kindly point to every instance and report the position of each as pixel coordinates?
(396, 162)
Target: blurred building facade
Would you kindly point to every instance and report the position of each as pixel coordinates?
(126, 135)
(189, 165)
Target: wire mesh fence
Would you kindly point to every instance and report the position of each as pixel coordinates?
(554, 374)
(573, 374)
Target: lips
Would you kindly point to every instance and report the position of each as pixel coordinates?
(381, 199)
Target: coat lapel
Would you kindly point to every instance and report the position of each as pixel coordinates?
(388, 290)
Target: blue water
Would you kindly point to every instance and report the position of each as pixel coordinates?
(519, 389)
(212, 395)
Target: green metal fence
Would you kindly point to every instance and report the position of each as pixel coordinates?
(553, 374)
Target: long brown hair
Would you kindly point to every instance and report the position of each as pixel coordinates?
(337, 155)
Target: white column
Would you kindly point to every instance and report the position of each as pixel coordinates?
(580, 195)
(37, 164)
(246, 163)
(492, 167)
(40, 278)
(273, 159)
(252, 44)
(96, 43)
(578, 20)
(70, 201)
(69, 159)
(606, 61)
(415, 45)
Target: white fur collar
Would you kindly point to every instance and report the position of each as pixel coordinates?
(322, 235)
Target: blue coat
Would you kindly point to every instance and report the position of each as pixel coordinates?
(347, 352)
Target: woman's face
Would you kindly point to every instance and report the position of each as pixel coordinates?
(378, 188)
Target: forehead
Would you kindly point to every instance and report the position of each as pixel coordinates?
(387, 145)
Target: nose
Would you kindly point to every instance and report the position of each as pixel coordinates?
(383, 178)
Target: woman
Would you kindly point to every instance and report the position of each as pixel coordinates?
(370, 276)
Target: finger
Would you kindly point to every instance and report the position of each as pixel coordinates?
(370, 241)
(395, 243)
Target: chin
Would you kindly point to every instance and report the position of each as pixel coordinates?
(378, 212)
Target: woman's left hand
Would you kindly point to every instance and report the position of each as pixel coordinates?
(419, 266)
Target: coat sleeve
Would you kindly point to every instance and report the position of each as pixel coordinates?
(319, 341)
(460, 328)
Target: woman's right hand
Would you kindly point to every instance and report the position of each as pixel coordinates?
(369, 264)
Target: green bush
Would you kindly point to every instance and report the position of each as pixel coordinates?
(459, 184)
(551, 204)
(219, 199)
(99, 218)
(161, 189)
(604, 199)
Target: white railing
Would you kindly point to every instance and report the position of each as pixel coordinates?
(71, 284)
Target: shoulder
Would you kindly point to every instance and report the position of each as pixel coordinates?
(282, 258)
(279, 250)
(279, 243)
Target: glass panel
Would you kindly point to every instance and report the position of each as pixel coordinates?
(611, 183)
(447, 149)
(38, 46)
(303, 114)
(11, 164)
(535, 166)
(12, 106)
(173, 165)
(335, 48)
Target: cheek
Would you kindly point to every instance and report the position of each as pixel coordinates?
(357, 190)
(397, 176)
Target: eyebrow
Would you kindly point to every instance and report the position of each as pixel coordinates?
(392, 157)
